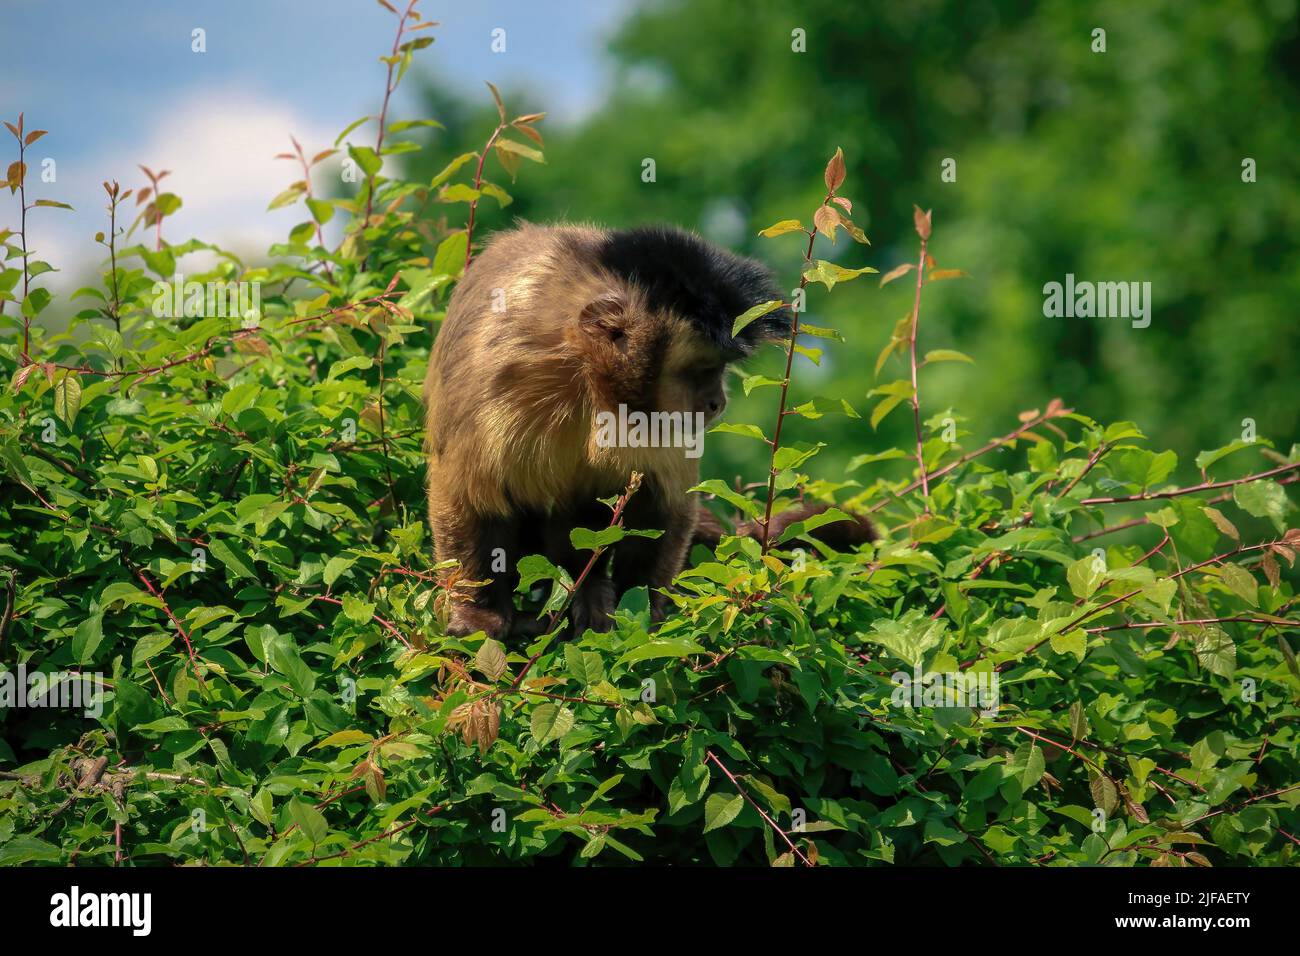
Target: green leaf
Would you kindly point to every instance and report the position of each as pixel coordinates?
(310, 820)
(350, 127)
(857, 461)
(1215, 651)
(1078, 721)
(739, 428)
(586, 666)
(894, 392)
(752, 315)
(781, 228)
(357, 609)
(1141, 467)
(403, 125)
(366, 158)
(167, 203)
(491, 659)
(235, 558)
(336, 565)
(1086, 575)
(459, 192)
(285, 660)
(828, 273)
(1207, 458)
(1073, 642)
(797, 529)
(586, 540)
(288, 196)
(1264, 499)
(502, 197)
(1241, 582)
(450, 169)
(148, 647)
(1028, 764)
(720, 489)
(344, 738)
(24, 848)
(86, 640)
(450, 257)
(67, 397)
(550, 722)
(519, 149)
(795, 454)
(948, 355)
(720, 809)
(751, 382)
(673, 647)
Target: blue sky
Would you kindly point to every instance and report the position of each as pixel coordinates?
(118, 84)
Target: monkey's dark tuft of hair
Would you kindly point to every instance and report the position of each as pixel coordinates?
(681, 273)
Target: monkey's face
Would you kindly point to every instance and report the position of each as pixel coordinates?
(693, 380)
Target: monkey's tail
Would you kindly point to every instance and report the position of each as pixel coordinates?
(841, 535)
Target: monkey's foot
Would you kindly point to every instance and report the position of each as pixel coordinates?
(469, 618)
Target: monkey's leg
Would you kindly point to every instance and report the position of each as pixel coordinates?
(486, 549)
(654, 562)
(593, 602)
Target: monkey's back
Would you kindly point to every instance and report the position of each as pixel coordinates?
(508, 409)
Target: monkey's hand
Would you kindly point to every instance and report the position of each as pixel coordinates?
(467, 618)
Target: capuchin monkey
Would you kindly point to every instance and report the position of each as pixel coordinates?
(555, 335)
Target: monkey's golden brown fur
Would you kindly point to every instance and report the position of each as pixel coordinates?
(549, 327)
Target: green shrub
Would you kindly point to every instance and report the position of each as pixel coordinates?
(217, 519)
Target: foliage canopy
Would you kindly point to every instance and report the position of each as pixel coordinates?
(214, 518)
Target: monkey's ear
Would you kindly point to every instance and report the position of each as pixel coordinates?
(604, 316)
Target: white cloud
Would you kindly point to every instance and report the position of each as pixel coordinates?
(220, 148)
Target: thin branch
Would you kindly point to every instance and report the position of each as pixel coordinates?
(923, 230)
(239, 334)
(761, 812)
(615, 521)
(478, 182)
(1055, 409)
(389, 87)
(385, 624)
(306, 178)
(1137, 522)
(785, 384)
(1141, 625)
(1095, 457)
(1193, 489)
(144, 578)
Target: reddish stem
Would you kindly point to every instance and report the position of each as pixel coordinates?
(916, 393)
(761, 812)
(765, 543)
(478, 182)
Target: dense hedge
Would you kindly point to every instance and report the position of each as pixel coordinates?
(217, 519)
